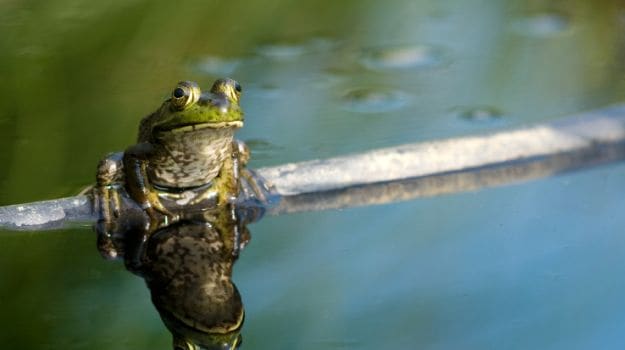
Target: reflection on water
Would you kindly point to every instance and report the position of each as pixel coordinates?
(542, 25)
(479, 114)
(187, 267)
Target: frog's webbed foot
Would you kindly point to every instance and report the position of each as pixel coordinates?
(251, 187)
(106, 194)
(259, 187)
(106, 246)
(109, 180)
(108, 203)
(157, 212)
(241, 155)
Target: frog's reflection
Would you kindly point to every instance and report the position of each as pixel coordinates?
(188, 267)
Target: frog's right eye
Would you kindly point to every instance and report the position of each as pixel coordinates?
(178, 93)
(185, 94)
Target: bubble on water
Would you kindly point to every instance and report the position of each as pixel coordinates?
(541, 25)
(214, 65)
(401, 57)
(281, 51)
(374, 100)
(288, 51)
(479, 114)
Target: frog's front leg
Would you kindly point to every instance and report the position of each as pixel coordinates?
(137, 184)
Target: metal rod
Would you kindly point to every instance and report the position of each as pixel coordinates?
(404, 172)
(48, 215)
(452, 165)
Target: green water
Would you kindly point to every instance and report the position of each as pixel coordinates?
(535, 265)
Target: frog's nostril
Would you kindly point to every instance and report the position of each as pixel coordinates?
(178, 92)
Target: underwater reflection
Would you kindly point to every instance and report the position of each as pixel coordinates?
(187, 267)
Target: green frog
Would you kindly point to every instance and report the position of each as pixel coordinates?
(185, 156)
(186, 173)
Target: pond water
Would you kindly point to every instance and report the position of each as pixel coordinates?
(535, 265)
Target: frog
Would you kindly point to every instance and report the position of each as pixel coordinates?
(185, 156)
(184, 176)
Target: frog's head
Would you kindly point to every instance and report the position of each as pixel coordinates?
(190, 109)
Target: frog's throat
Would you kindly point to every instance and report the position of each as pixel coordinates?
(199, 126)
(190, 159)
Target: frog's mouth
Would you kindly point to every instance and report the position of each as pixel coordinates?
(200, 126)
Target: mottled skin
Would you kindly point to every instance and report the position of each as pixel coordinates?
(188, 267)
(185, 172)
(185, 155)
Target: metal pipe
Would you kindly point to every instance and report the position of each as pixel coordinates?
(403, 172)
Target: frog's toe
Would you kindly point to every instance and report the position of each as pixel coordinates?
(109, 202)
(107, 248)
(154, 207)
(257, 185)
(160, 216)
(115, 204)
(242, 151)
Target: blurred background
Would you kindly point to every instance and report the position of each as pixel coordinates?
(534, 265)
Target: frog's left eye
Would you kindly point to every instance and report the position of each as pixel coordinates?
(185, 94)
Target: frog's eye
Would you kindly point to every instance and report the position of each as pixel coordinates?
(185, 94)
(178, 93)
(227, 88)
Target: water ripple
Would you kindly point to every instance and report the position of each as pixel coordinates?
(374, 100)
(288, 51)
(541, 25)
(402, 57)
(215, 65)
(281, 51)
(479, 114)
